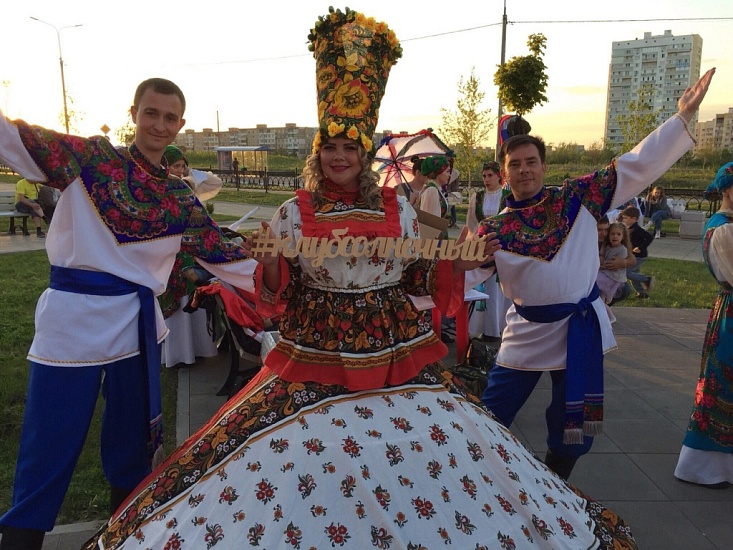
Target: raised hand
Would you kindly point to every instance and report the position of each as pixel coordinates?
(690, 101)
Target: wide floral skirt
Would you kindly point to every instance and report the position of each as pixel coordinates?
(420, 465)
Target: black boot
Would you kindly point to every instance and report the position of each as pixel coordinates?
(562, 465)
(21, 539)
(117, 496)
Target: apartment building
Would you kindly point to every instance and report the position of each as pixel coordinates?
(284, 140)
(716, 133)
(666, 63)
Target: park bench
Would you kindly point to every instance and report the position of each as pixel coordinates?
(7, 210)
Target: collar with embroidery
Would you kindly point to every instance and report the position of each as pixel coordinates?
(515, 204)
(336, 192)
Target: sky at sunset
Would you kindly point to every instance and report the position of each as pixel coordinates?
(242, 63)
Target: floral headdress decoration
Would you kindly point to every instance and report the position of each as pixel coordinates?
(493, 166)
(723, 180)
(354, 54)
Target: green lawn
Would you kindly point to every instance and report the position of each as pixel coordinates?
(23, 277)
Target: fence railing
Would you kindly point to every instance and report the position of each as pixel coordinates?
(287, 180)
(694, 199)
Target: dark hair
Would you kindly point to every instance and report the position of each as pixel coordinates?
(604, 220)
(161, 86)
(416, 163)
(631, 212)
(515, 141)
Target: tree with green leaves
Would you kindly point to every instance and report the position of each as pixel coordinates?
(126, 134)
(522, 80)
(564, 153)
(641, 119)
(710, 157)
(598, 154)
(468, 127)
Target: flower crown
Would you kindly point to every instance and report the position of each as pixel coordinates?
(354, 54)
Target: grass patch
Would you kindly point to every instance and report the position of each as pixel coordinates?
(23, 278)
(245, 196)
(677, 284)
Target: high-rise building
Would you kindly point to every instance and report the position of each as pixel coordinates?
(667, 64)
(716, 133)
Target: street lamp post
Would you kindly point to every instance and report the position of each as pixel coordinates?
(501, 106)
(61, 63)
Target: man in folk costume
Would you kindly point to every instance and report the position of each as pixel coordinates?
(548, 266)
(118, 226)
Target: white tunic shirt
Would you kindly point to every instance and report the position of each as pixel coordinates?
(74, 330)
(565, 270)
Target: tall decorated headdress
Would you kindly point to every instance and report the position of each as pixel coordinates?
(354, 54)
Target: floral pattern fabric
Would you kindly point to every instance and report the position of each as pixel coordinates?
(136, 200)
(711, 427)
(538, 227)
(354, 55)
(178, 285)
(350, 320)
(420, 465)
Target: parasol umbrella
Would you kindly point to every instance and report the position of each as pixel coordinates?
(393, 157)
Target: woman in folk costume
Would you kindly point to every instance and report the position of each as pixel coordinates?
(707, 453)
(351, 432)
(188, 336)
(437, 170)
(489, 319)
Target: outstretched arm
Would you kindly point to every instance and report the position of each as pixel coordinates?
(654, 155)
(690, 101)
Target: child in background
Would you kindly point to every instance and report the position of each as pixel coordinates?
(616, 245)
(640, 240)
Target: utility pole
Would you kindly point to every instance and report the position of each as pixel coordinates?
(61, 63)
(501, 107)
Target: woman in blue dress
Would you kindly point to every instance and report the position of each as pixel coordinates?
(707, 452)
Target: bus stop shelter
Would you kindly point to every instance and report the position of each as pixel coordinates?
(250, 157)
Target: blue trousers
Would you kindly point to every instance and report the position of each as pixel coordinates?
(59, 408)
(636, 277)
(509, 389)
(658, 217)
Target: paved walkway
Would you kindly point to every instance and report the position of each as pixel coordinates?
(649, 383)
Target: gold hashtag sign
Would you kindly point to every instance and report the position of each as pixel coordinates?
(382, 247)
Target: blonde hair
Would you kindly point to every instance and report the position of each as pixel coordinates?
(369, 189)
